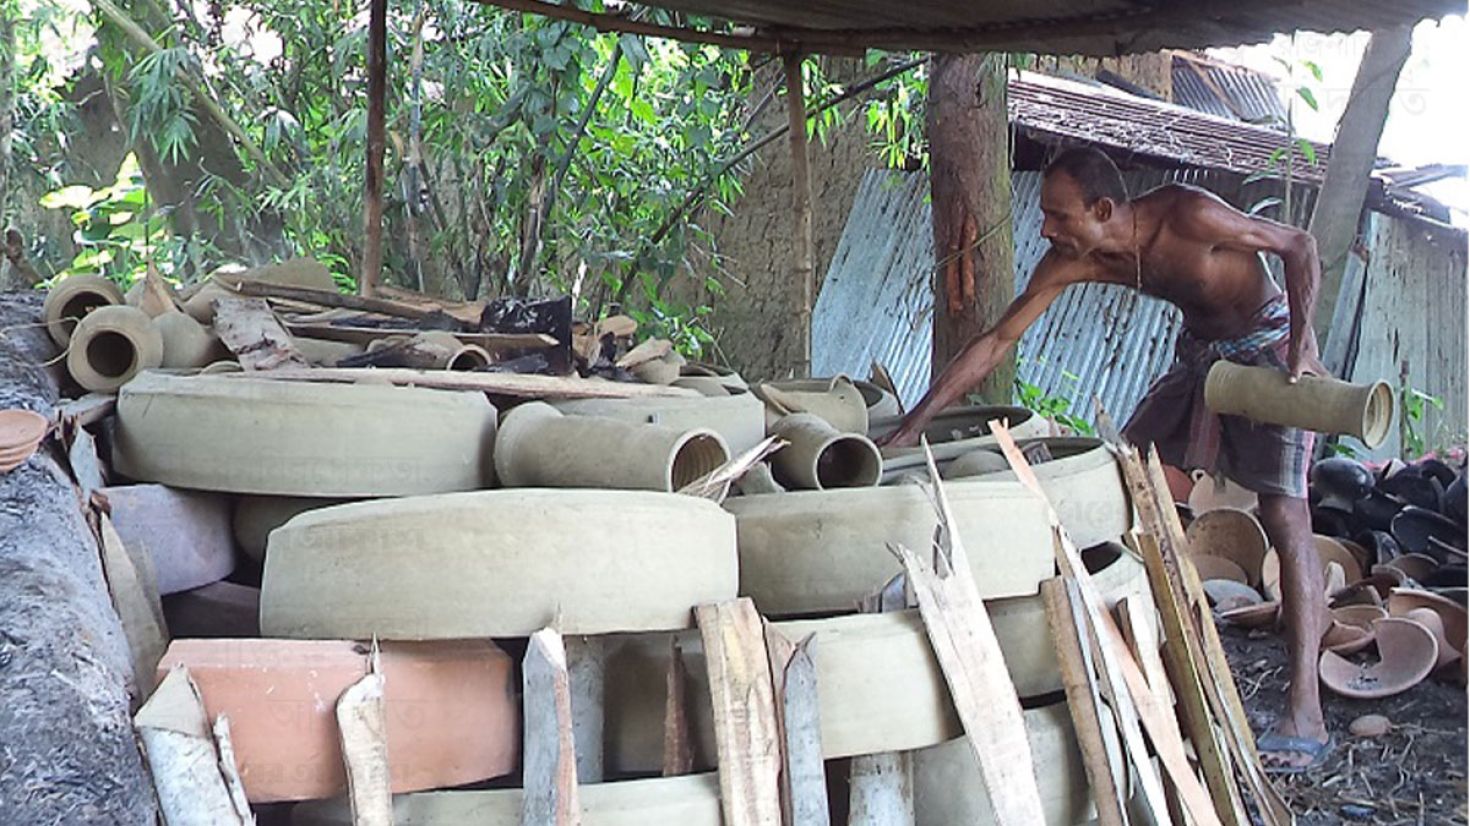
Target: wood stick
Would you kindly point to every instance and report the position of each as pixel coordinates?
(493, 342)
(747, 740)
(550, 761)
(1143, 641)
(377, 144)
(1075, 662)
(525, 385)
(969, 655)
(1120, 670)
(325, 298)
(798, 718)
(250, 330)
(135, 599)
(174, 730)
(587, 671)
(362, 722)
(678, 745)
(803, 265)
(881, 786)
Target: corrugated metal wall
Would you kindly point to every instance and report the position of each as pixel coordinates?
(1096, 340)
(1413, 311)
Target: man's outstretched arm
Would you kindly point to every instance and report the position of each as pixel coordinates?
(985, 350)
(1216, 222)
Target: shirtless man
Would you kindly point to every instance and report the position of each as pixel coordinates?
(1188, 247)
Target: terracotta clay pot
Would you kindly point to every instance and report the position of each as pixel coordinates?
(21, 432)
(1230, 534)
(72, 299)
(1430, 619)
(1452, 614)
(1209, 493)
(1408, 652)
(1218, 567)
(1324, 405)
(819, 457)
(539, 447)
(456, 354)
(110, 346)
(1329, 550)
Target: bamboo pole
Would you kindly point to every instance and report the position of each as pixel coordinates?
(803, 267)
(377, 68)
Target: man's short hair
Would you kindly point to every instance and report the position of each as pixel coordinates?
(1094, 171)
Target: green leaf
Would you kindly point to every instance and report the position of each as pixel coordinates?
(1314, 69)
(1306, 94)
(69, 197)
(1308, 150)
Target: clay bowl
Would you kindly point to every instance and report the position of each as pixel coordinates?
(1403, 600)
(1447, 576)
(21, 432)
(1407, 653)
(1365, 560)
(1431, 620)
(1346, 639)
(1263, 615)
(1413, 527)
(1210, 494)
(1445, 552)
(1334, 579)
(1381, 546)
(1228, 594)
(1362, 592)
(1421, 491)
(1218, 567)
(1454, 499)
(1433, 468)
(1360, 616)
(1417, 567)
(1231, 534)
(1328, 550)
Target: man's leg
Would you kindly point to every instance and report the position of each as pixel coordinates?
(1288, 523)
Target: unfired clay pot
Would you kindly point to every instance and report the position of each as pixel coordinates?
(837, 400)
(110, 346)
(819, 457)
(72, 299)
(186, 342)
(1325, 405)
(739, 419)
(539, 447)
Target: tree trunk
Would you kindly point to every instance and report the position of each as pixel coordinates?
(70, 755)
(1335, 218)
(970, 195)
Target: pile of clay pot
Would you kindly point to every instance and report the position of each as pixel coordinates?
(290, 522)
(1394, 572)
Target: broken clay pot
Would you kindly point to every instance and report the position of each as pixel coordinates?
(537, 446)
(1230, 534)
(186, 342)
(1407, 653)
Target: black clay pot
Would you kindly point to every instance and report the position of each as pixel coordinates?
(1454, 500)
(1377, 510)
(1341, 482)
(1443, 551)
(1437, 469)
(1448, 576)
(1333, 522)
(1381, 546)
(1422, 491)
(1413, 527)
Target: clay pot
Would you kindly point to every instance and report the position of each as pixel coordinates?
(1352, 628)
(1263, 615)
(1228, 594)
(1229, 534)
(958, 431)
(1453, 615)
(1381, 546)
(186, 342)
(664, 370)
(200, 305)
(539, 447)
(976, 463)
(1324, 405)
(726, 377)
(1376, 510)
(1430, 619)
(255, 517)
(1425, 492)
(819, 457)
(739, 419)
(1407, 650)
(879, 402)
(456, 355)
(1341, 482)
(21, 432)
(1328, 550)
(1219, 568)
(111, 346)
(1413, 526)
(1417, 567)
(1211, 493)
(280, 698)
(72, 299)
(1455, 500)
(1333, 522)
(323, 352)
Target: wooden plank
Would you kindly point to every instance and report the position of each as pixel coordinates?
(174, 730)
(881, 786)
(1120, 670)
(549, 752)
(747, 740)
(250, 330)
(135, 599)
(494, 342)
(586, 673)
(678, 738)
(798, 719)
(524, 385)
(362, 723)
(1075, 663)
(324, 298)
(1221, 690)
(1143, 641)
(969, 655)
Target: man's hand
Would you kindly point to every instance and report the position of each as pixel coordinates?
(1302, 360)
(904, 436)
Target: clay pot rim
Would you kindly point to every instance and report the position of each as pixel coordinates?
(1404, 664)
(20, 427)
(1219, 568)
(1254, 616)
(1430, 618)
(1403, 600)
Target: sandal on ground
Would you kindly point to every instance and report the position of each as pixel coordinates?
(1285, 745)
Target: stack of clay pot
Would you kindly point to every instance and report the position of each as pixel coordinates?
(21, 432)
(1377, 600)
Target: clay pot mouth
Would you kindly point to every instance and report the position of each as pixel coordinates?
(21, 428)
(1230, 534)
(112, 354)
(1378, 414)
(1359, 616)
(78, 306)
(1408, 653)
(847, 461)
(469, 358)
(697, 455)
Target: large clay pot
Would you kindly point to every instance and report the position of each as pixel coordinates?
(185, 533)
(110, 346)
(688, 800)
(1084, 485)
(819, 457)
(819, 551)
(739, 419)
(186, 342)
(255, 517)
(72, 299)
(1325, 405)
(324, 352)
(280, 697)
(953, 433)
(539, 447)
(239, 434)
(500, 563)
(837, 400)
(880, 403)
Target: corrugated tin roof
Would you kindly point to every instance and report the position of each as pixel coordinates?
(1056, 110)
(1092, 27)
(1226, 91)
(877, 303)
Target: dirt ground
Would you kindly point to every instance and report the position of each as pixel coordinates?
(1415, 774)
